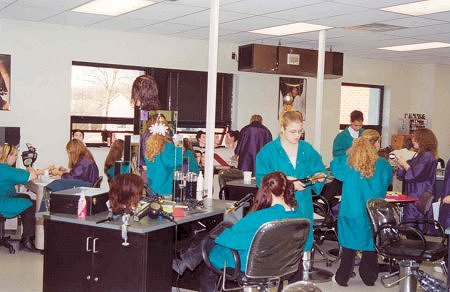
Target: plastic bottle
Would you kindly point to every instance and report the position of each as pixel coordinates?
(82, 207)
(199, 192)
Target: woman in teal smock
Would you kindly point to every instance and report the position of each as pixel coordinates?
(365, 176)
(162, 158)
(275, 200)
(13, 204)
(297, 159)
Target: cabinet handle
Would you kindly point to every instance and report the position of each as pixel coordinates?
(94, 245)
(87, 244)
(96, 279)
(88, 277)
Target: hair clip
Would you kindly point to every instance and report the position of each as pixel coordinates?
(158, 128)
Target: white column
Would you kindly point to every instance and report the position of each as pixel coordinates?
(319, 95)
(211, 97)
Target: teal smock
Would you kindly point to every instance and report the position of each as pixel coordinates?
(110, 171)
(343, 141)
(240, 236)
(160, 171)
(272, 157)
(10, 176)
(354, 228)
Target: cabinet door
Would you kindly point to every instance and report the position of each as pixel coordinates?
(67, 263)
(117, 267)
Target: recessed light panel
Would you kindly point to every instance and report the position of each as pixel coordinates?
(421, 7)
(416, 47)
(112, 7)
(293, 28)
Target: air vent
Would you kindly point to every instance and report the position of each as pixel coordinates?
(376, 27)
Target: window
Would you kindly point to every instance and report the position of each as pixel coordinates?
(101, 95)
(100, 103)
(366, 98)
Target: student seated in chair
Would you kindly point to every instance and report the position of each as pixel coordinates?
(274, 201)
(13, 204)
(81, 163)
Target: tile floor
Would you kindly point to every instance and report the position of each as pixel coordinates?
(22, 272)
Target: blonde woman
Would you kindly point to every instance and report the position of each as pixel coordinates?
(13, 204)
(365, 176)
(162, 158)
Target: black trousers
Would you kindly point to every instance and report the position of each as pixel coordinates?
(368, 267)
(28, 217)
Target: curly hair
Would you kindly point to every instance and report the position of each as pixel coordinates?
(115, 153)
(275, 183)
(5, 151)
(76, 151)
(145, 90)
(363, 153)
(154, 146)
(125, 192)
(427, 141)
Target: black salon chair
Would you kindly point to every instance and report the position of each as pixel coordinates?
(274, 255)
(4, 240)
(324, 228)
(402, 241)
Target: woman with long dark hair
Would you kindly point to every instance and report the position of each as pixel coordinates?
(274, 200)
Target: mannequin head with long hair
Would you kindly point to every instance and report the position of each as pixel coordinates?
(125, 192)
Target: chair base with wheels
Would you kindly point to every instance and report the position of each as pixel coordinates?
(269, 261)
(404, 242)
(4, 240)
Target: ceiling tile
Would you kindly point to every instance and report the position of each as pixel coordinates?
(75, 18)
(441, 37)
(163, 11)
(445, 16)
(375, 3)
(258, 7)
(56, 4)
(315, 11)
(166, 28)
(122, 23)
(358, 18)
(413, 21)
(252, 23)
(24, 12)
(420, 31)
(203, 33)
(202, 18)
(201, 3)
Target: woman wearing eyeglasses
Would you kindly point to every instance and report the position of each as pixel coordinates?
(13, 204)
(297, 159)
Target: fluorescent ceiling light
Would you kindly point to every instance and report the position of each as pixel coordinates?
(112, 7)
(416, 47)
(421, 7)
(292, 28)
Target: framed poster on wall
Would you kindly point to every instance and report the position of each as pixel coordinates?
(292, 95)
(5, 82)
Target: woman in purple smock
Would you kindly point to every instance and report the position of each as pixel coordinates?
(444, 212)
(81, 163)
(419, 173)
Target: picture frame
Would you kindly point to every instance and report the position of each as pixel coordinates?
(292, 86)
(5, 82)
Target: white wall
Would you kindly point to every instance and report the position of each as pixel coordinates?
(41, 71)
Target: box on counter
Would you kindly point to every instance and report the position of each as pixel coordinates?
(66, 201)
